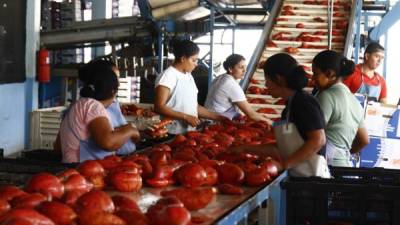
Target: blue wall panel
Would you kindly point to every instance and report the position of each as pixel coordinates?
(12, 117)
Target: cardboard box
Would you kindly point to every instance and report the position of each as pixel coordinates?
(381, 152)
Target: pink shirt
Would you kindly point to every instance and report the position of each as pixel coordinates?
(75, 126)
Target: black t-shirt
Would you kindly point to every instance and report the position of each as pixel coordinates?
(305, 113)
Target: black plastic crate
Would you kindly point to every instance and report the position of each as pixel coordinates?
(18, 171)
(354, 197)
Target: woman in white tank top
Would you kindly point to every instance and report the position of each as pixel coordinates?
(176, 91)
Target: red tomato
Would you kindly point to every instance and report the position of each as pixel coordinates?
(91, 168)
(230, 189)
(4, 206)
(133, 217)
(192, 198)
(163, 172)
(63, 175)
(71, 197)
(168, 211)
(9, 192)
(97, 181)
(100, 218)
(230, 173)
(212, 176)
(158, 183)
(24, 216)
(95, 201)
(125, 181)
(58, 212)
(124, 203)
(47, 184)
(77, 182)
(191, 175)
(257, 177)
(28, 201)
(270, 166)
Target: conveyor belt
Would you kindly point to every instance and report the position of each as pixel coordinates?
(300, 28)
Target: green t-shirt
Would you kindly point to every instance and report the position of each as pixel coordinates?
(343, 115)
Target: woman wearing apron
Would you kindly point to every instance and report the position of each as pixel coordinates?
(300, 135)
(226, 96)
(176, 91)
(343, 113)
(86, 130)
(365, 80)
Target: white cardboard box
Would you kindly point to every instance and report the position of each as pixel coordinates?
(382, 120)
(381, 152)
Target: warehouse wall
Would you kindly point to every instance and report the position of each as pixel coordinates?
(17, 100)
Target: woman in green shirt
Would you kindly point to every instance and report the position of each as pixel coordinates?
(343, 113)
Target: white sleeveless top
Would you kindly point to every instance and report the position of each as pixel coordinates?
(183, 96)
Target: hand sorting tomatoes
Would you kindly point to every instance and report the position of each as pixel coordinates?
(158, 130)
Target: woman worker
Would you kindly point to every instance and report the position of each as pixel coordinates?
(302, 151)
(86, 76)
(176, 91)
(226, 95)
(86, 130)
(343, 113)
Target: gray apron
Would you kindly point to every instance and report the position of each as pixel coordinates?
(370, 90)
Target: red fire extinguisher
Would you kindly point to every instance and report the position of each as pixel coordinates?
(43, 66)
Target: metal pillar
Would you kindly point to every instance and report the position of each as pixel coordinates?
(386, 54)
(101, 9)
(358, 30)
(211, 61)
(160, 40)
(32, 45)
(387, 21)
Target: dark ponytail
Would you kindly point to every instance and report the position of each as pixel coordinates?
(346, 67)
(331, 60)
(285, 65)
(184, 48)
(87, 91)
(297, 79)
(231, 61)
(99, 80)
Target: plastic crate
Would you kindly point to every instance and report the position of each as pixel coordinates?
(356, 196)
(44, 126)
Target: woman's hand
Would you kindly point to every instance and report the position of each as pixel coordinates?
(191, 120)
(135, 134)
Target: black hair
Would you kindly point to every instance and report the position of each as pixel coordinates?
(184, 48)
(99, 80)
(231, 61)
(373, 47)
(331, 60)
(285, 65)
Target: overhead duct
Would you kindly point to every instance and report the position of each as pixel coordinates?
(159, 3)
(173, 9)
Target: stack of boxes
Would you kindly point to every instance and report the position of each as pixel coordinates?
(124, 8)
(59, 15)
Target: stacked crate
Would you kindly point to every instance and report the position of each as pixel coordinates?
(44, 126)
(354, 196)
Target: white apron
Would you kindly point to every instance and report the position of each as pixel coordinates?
(289, 141)
(183, 99)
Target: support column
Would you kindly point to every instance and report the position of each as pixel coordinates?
(32, 46)
(211, 61)
(101, 9)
